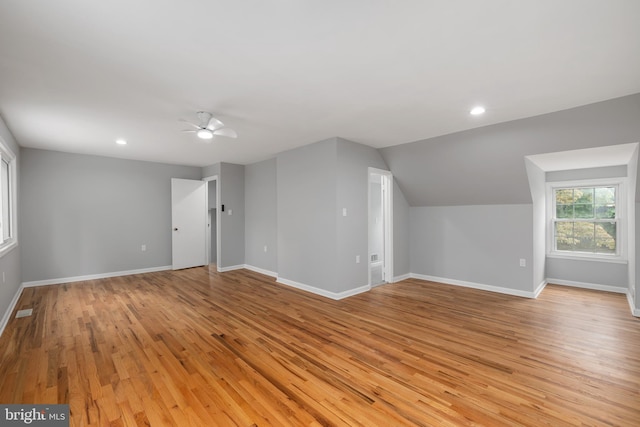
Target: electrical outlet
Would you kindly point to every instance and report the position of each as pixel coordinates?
(143, 248)
(523, 262)
(230, 211)
(357, 259)
(265, 248)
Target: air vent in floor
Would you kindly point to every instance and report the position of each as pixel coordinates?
(24, 313)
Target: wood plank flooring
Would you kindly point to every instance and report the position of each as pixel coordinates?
(199, 348)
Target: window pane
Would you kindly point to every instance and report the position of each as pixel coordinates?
(564, 236)
(583, 210)
(584, 236)
(564, 211)
(564, 196)
(583, 195)
(605, 202)
(605, 196)
(606, 237)
(605, 212)
(583, 202)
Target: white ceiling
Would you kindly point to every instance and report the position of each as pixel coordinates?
(77, 74)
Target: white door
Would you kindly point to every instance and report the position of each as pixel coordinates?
(189, 223)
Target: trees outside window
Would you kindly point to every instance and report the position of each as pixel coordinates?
(585, 219)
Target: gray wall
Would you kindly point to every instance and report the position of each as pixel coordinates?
(84, 215)
(485, 165)
(317, 245)
(213, 211)
(10, 262)
(211, 170)
(261, 215)
(587, 173)
(231, 188)
(213, 254)
(306, 194)
(588, 272)
(401, 233)
(479, 244)
(353, 162)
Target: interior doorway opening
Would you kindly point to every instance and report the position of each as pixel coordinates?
(213, 222)
(380, 227)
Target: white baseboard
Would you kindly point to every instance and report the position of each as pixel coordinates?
(474, 285)
(94, 276)
(635, 311)
(230, 268)
(12, 305)
(322, 292)
(585, 285)
(402, 277)
(261, 270)
(540, 288)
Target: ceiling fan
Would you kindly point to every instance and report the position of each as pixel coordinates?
(209, 127)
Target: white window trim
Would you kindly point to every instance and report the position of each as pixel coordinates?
(621, 210)
(9, 155)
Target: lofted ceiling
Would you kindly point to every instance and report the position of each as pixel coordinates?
(75, 75)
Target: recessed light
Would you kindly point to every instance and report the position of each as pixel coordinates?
(121, 141)
(476, 111)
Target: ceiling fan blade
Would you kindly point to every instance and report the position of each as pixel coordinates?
(189, 123)
(189, 131)
(226, 132)
(214, 124)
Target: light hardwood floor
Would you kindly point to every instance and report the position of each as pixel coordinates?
(199, 348)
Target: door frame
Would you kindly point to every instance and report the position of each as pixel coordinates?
(387, 215)
(208, 180)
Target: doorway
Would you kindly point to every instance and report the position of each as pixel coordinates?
(212, 220)
(380, 227)
(213, 223)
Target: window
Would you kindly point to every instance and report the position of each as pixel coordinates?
(585, 220)
(8, 228)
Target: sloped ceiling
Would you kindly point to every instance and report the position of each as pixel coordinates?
(487, 165)
(76, 74)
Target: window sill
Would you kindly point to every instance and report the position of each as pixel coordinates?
(586, 257)
(8, 247)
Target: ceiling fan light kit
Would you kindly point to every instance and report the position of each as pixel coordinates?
(209, 127)
(204, 134)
